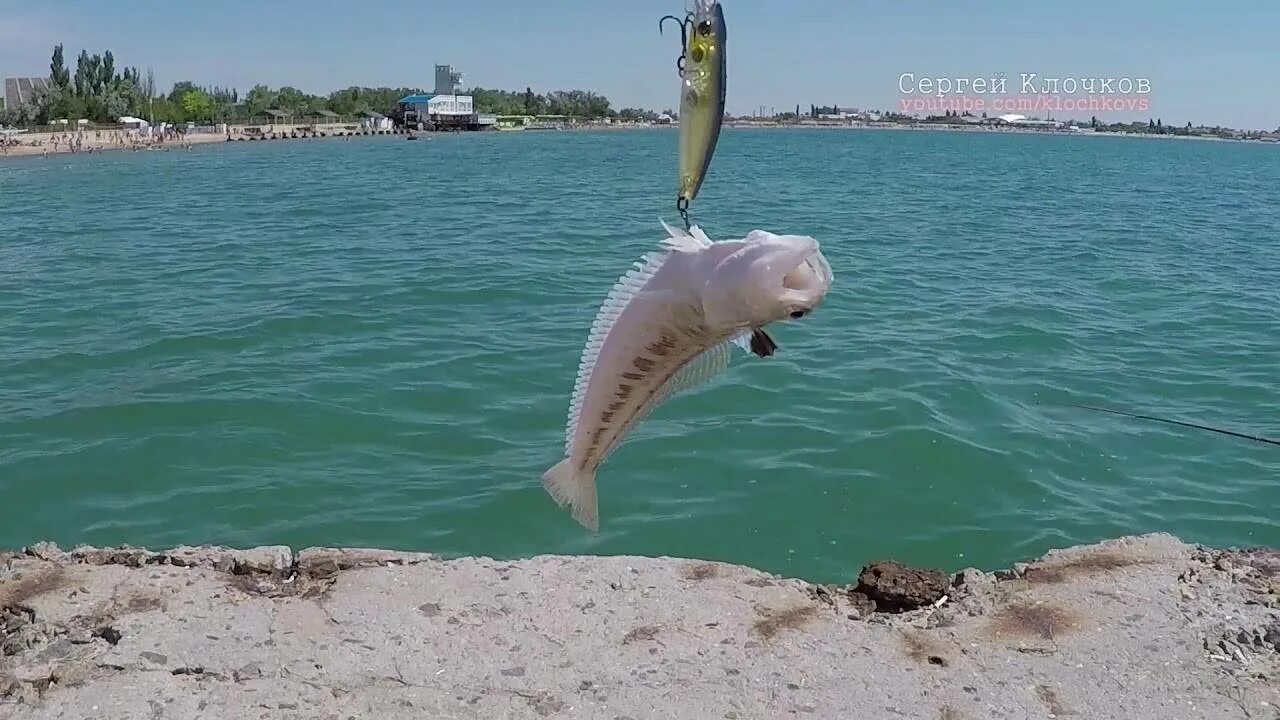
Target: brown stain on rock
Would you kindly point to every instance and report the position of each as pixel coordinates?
(772, 622)
(286, 583)
(1040, 620)
(702, 571)
(644, 632)
(923, 649)
(31, 585)
(141, 604)
(1051, 701)
(1098, 561)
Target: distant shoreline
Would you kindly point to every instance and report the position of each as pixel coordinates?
(41, 144)
(986, 131)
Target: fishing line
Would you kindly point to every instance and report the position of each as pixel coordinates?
(1139, 416)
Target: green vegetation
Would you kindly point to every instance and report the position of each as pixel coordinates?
(98, 93)
(574, 103)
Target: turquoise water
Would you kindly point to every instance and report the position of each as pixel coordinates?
(373, 343)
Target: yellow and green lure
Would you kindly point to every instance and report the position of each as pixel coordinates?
(702, 72)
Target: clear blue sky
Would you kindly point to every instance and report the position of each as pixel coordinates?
(1211, 62)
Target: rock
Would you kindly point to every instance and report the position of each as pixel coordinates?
(895, 588)
(861, 605)
(321, 561)
(127, 556)
(45, 551)
(973, 580)
(545, 637)
(1265, 561)
(204, 556)
(266, 559)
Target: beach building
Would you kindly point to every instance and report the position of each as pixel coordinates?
(1023, 121)
(444, 109)
(431, 110)
(372, 121)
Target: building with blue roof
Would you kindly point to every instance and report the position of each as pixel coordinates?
(443, 108)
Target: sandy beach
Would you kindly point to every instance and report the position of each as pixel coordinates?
(96, 141)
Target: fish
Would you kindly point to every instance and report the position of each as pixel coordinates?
(669, 325)
(702, 95)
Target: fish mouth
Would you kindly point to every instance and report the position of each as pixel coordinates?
(811, 277)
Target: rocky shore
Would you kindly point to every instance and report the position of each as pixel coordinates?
(1139, 627)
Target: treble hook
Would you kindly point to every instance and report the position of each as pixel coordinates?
(684, 35)
(682, 207)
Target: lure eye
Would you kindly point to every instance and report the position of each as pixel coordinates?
(704, 28)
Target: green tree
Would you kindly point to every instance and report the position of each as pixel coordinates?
(292, 99)
(258, 99)
(106, 71)
(197, 105)
(58, 74)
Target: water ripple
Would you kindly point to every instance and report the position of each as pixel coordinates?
(373, 343)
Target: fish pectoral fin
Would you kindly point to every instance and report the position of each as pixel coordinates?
(698, 371)
(575, 491)
(762, 344)
(703, 368)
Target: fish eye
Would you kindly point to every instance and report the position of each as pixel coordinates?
(797, 314)
(704, 28)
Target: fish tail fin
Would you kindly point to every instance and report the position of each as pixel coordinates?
(576, 491)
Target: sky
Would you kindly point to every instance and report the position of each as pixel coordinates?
(1206, 62)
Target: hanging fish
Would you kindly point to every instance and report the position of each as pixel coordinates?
(703, 72)
(668, 326)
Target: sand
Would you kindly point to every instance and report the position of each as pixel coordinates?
(1138, 627)
(92, 142)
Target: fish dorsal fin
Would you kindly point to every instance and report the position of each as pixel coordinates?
(693, 240)
(699, 371)
(622, 293)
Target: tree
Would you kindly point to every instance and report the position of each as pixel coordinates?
(291, 99)
(106, 70)
(58, 74)
(258, 99)
(197, 105)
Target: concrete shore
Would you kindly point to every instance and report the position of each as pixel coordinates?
(1139, 627)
